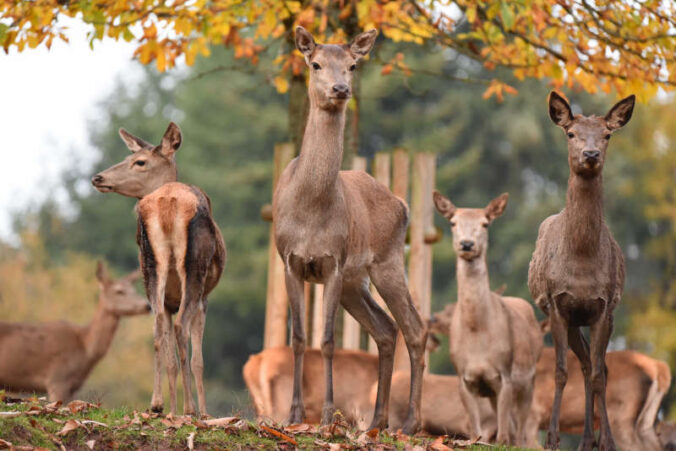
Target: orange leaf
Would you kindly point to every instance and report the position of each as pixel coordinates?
(278, 434)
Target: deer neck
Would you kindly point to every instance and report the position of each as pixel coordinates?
(99, 333)
(171, 175)
(321, 153)
(474, 293)
(583, 215)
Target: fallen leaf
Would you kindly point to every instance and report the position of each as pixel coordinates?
(70, 426)
(4, 444)
(10, 414)
(280, 435)
(373, 433)
(90, 444)
(191, 441)
(438, 445)
(300, 428)
(220, 422)
(53, 405)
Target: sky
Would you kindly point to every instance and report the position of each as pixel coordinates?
(47, 99)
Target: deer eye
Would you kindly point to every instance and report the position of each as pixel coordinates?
(452, 224)
(140, 162)
(353, 67)
(484, 225)
(607, 137)
(316, 66)
(119, 291)
(571, 135)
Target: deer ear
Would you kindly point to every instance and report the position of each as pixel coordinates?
(545, 326)
(619, 115)
(559, 110)
(444, 205)
(361, 45)
(496, 207)
(134, 143)
(102, 272)
(305, 43)
(134, 275)
(171, 140)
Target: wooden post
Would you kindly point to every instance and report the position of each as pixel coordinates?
(351, 335)
(381, 172)
(277, 302)
(400, 177)
(317, 316)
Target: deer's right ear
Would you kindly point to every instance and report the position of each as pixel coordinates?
(305, 43)
(559, 111)
(444, 205)
(134, 143)
(171, 140)
(101, 272)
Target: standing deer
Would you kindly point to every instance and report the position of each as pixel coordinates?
(339, 228)
(182, 255)
(576, 275)
(495, 341)
(57, 357)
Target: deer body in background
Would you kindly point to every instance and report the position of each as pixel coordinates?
(340, 228)
(182, 255)
(495, 341)
(57, 357)
(576, 275)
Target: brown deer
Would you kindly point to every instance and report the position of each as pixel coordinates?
(495, 341)
(269, 377)
(340, 228)
(576, 275)
(182, 255)
(57, 357)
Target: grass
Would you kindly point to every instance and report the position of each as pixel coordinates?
(35, 424)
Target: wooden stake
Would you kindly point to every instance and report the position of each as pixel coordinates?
(317, 317)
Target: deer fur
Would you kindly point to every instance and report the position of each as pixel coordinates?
(340, 228)
(576, 275)
(57, 357)
(182, 256)
(495, 341)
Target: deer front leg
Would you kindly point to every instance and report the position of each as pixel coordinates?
(560, 335)
(472, 408)
(332, 293)
(504, 409)
(294, 289)
(581, 349)
(600, 335)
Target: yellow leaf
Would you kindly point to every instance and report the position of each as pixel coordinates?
(282, 84)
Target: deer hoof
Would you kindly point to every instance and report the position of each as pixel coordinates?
(296, 415)
(606, 444)
(327, 414)
(157, 408)
(411, 426)
(552, 441)
(378, 423)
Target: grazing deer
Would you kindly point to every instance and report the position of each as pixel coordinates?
(495, 341)
(269, 377)
(576, 275)
(340, 228)
(182, 255)
(57, 357)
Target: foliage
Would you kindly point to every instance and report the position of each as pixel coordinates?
(601, 45)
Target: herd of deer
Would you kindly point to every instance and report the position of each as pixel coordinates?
(343, 229)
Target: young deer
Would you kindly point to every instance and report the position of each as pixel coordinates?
(576, 275)
(182, 255)
(341, 227)
(495, 341)
(57, 357)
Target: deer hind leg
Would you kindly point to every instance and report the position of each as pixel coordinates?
(358, 302)
(294, 289)
(600, 336)
(560, 336)
(523, 398)
(197, 361)
(390, 280)
(581, 349)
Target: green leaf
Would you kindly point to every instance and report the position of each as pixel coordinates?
(507, 15)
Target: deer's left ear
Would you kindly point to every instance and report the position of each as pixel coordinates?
(619, 115)
(443, 205)
(171, 140)
(102, 272)
(305, 43)
(496, 207)
(361, 45)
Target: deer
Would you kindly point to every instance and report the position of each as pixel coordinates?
(57, 357)
(576, 274)
(495, 340)
(340, 229)
(637, 384)
(182, 255)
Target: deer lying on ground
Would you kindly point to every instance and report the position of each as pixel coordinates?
(340, 228)
(495, 341)
(182, 255)
(576, 275)
(57, 357)
(269, 377)
(636, 386)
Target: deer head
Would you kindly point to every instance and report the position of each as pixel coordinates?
(469, 226)
(331, 67)
(119, 296)
(588, 136)
(146, 169)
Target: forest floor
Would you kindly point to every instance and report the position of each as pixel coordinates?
(34, 424)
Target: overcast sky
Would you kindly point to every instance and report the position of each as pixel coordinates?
(47, 97)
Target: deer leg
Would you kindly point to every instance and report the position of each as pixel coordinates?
(390, 280)
(156, 278)
(182, 323)
(504, 409)
(197, 361)
(472, 408)
(332, 293)
(523, 401)
(169, 352)
(359, 303)
(581, 349)
(600, 336)
(294, 289)
(560, 335)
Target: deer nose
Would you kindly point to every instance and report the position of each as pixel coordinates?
(341, 90)
(98, 178)
(591, 154)
(466, 245)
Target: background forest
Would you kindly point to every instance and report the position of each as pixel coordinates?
(231, 119)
